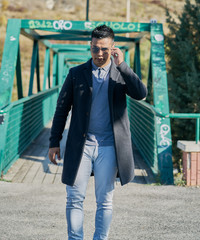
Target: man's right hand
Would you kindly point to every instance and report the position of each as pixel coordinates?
(52, 154)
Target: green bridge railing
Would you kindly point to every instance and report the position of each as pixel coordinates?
(22, 120)
(143, 129)
(144, 118)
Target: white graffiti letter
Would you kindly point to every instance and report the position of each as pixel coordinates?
(61, 24)
(88, 25)
(67, 23)
(163, 132)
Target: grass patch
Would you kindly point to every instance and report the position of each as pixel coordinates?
(4, 180)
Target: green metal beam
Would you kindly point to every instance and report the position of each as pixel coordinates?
(55, 70)
(19, 76)
(161, 102)
(46, 69)
(33, 66)
(82, 47)
(72, 47)
(127, 57)
(78, 49)
(31, 34)
(75, 54)
(137, 64)
(38, 70)
(81, 56)
(61, 76)
(197, 130)
(78, 60)
(65, 25)
(83, 37)
(9, 61)
(149, 83)
(87, 10)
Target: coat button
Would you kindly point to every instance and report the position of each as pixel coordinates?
(84, 135)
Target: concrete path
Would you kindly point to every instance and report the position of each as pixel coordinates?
(37, 212)
(32, 205)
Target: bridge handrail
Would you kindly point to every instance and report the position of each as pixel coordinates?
(179, 116)
(6, 108)
(21, 122)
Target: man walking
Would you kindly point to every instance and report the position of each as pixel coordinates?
(99, 138)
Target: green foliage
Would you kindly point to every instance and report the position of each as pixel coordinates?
(179, 180)
(4, 180)
(183, 51)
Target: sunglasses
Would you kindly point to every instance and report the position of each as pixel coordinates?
(97, 49)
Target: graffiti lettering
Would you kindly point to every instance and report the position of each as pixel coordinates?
(158, 120)
(31, 24)
(164, 129)
(58, 25)
(6, 74)
(67, 25)
(114, 25)
(61, 24)
(12, 38)
(88, 25)
(159, 37)
(39, 24)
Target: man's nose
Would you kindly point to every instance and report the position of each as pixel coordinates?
(100, 52)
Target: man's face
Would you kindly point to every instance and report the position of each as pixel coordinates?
(101, 51)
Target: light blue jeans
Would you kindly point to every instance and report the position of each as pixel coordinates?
(102, 160)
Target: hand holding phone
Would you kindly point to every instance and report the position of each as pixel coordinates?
(117, 55)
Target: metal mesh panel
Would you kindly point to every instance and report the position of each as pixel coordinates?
(142, 123)
(26, 118)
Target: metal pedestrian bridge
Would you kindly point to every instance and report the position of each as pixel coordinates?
(66, 44)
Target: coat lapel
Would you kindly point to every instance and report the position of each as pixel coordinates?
(114, 75)
(88, 74)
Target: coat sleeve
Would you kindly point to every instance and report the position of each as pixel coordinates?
(64, 104)
(134, 86)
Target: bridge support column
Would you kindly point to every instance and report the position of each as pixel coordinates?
(3, 131)
(161, 103)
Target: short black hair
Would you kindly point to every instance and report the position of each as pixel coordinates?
(103, 31)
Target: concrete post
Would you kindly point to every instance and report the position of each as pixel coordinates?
(191, 162)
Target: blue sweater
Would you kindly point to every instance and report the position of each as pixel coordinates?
(100, 130)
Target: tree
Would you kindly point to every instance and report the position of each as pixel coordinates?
(183, 52)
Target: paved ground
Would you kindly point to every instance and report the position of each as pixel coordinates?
(32, 206)
(37, 211)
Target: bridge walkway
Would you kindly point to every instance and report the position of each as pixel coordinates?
(34, 166)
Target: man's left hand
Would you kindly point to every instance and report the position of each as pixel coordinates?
(117, 55)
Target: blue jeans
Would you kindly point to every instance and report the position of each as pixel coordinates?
(102, 160)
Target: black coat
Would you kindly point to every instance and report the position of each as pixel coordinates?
(76, 95)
